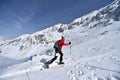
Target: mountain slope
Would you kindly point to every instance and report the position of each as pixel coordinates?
(94, 53)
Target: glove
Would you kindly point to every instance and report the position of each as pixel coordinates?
(69, 42)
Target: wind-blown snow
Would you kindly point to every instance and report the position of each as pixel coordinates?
(93, 54)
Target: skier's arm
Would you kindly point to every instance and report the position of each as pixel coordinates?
(66, 44)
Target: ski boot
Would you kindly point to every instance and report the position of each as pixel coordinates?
(61, 63)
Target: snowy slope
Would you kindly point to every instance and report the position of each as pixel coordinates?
(93, 55)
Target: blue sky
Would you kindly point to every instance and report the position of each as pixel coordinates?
(18, 17)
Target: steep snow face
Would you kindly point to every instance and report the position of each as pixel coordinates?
(94, 50)
(104, 16)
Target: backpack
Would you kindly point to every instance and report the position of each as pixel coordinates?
(56, 45)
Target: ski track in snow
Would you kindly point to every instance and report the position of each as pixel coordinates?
(90, 68)
(32, 68)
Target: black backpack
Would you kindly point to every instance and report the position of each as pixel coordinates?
(56, 45)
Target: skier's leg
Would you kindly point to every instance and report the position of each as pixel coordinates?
(61, 56)
(53, 59)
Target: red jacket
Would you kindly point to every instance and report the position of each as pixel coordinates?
(61, 43)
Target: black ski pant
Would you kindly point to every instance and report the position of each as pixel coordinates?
(55, 57)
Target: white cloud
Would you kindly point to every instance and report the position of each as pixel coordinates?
(18, 26)
(23, 16)
(23, 19)
(20, 20)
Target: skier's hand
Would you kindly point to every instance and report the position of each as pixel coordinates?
(69, 42)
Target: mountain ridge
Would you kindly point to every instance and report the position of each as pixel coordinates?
(101, 17)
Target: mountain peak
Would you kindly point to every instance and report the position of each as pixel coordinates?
(110, 11)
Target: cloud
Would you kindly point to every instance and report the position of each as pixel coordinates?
(19, 15)
(18, 25)
(20, 20)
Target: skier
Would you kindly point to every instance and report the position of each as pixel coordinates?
(58, 49)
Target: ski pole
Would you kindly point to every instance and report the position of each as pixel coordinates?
(70, 49)
(71, 56)
(28, 76)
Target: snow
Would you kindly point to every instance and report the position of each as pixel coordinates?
(93, 55)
